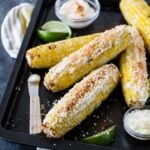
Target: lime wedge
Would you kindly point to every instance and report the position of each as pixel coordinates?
(47, 36)
(102, 138)
(54, 31)
(56, 26)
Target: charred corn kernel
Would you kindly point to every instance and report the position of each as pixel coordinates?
(81, 101)
(137, 13)
(45, 56)
(96, 53)
(134, 71)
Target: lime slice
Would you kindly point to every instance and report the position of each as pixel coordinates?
(47, 36)
(53, 31)
(56, 26)
(102, 138)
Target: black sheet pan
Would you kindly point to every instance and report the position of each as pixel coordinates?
(14, 115)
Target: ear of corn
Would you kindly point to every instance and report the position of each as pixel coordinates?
(137, 13)
(81, 101)
(134, 71)
(149, 86)
(96, 53)
(45, 56)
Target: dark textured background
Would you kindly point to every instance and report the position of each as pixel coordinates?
(6, 66)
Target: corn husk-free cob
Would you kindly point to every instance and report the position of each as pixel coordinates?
(47, 55)
(96, 53)
(134, 71)
(149, 86)
(81, 101)
(137, 13)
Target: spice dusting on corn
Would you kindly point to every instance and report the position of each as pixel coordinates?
(100, 50)
(81, 101)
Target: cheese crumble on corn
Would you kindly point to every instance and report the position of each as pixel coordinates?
(81, 101)
(94, 54)
(134, 73)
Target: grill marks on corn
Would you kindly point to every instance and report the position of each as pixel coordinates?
(51, 46)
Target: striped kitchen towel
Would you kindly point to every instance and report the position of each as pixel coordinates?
(14, 26)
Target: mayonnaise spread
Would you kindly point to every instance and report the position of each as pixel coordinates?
(76, 9)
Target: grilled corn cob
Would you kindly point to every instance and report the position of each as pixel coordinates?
(137, 13)
(149, 86)
(96, 53)
(45, 56)
(134, 72)
(81, 101)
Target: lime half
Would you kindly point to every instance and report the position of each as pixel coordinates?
(102, 138)
(54, 31)
(56, 26)
(47, 36)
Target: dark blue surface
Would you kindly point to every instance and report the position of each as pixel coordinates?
(6, 66)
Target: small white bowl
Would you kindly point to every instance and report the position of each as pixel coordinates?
(132, 132)
(78, 23)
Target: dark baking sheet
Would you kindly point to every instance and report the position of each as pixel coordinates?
(14, 115)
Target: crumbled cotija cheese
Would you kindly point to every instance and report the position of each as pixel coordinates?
(139, 121)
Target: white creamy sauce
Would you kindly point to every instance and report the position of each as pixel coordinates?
(76, 9)
(139, 121)
(34, 78)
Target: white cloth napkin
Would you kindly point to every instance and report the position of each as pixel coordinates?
(14, 26)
